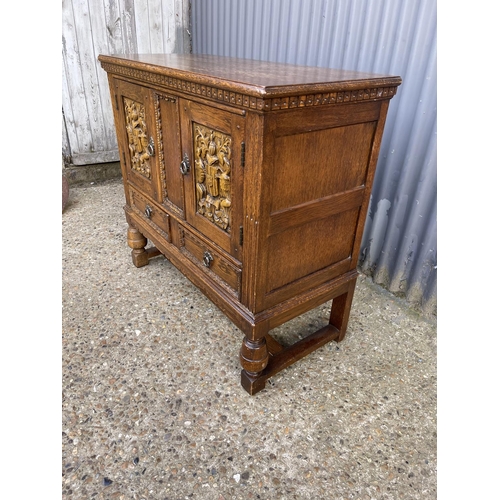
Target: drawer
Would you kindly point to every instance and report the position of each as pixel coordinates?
(212, 262)
(149, 211)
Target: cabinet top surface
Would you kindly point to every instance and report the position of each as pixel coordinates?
(253, 77)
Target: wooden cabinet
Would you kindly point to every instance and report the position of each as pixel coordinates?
(254, 179)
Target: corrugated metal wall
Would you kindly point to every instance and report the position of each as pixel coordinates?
(93, 27)
(394, 37)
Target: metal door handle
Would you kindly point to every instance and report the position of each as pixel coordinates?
(185, 166)
(151, 147)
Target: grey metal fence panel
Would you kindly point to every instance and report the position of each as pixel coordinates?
(399, 248)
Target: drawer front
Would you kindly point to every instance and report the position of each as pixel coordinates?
(219, 268)
(157, 218)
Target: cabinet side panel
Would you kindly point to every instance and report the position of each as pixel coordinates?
(316, 172)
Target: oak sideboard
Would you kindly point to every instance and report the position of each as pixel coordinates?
(253, 178)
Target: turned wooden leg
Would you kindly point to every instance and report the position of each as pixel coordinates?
(137, 242)
(341, 307)
(254, 357)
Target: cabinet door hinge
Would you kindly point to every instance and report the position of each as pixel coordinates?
(243, 154)
(241, 235)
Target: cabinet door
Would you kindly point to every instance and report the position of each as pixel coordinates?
(171, 183)
(136, 138)
(212, 151)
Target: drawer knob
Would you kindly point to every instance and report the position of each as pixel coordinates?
(207, 259)
(151, 147)
(148, 211)
(185, 165)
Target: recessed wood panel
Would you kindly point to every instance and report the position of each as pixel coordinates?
(300, 251)
(313, 165)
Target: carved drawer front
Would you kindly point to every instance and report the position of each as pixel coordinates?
(219, 268)
(150, 212)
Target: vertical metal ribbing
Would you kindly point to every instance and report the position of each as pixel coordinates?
(394, 37)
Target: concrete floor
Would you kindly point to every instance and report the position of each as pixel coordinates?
(152, 402)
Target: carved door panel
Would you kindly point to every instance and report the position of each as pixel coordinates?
(212, 144)
(136, 136)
